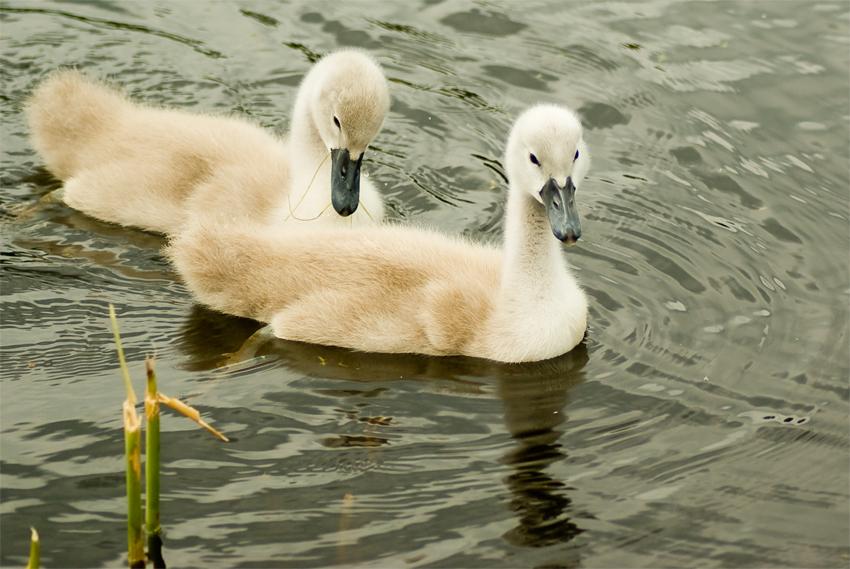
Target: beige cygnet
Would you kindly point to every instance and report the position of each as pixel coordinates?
(142, 166)
(408, 290)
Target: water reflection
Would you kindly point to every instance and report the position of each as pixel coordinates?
(716, 266)
(533, 396)
(207, 336)
(212, 340)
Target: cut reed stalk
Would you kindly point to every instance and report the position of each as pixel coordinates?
(35, 550)
(151, 452)
(133, 455)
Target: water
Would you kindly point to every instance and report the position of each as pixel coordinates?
(703, 422)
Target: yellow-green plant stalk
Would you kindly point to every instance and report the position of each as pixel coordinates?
(151, 452)
(125, 371)
(133, 455)
(35, 550)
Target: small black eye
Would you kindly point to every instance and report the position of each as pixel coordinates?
(336, 122)
(534, 159)
(576, 156)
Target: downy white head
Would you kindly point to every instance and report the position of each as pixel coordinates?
(547, 158)
(340, 107)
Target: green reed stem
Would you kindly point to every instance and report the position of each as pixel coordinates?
(133, 455)
(35, 550)
(151, 452)
(125, 371)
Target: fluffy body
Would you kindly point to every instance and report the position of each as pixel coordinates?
(408, 290)
(137, 165)
(386, 289)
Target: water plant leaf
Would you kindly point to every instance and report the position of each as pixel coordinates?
(191, 413)
(125, 371)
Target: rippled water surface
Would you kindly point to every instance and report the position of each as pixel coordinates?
(703, 422)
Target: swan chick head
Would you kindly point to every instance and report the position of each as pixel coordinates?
(547, 158)
(350, 101)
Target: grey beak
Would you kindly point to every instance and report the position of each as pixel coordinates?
(345, 181)
(561, 207)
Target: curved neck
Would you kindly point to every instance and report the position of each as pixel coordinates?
(303, 131)
(533, 261)
(309, 157)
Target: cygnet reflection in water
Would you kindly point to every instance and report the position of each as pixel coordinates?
(533, 395)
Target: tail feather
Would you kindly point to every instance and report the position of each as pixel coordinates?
(66, 113)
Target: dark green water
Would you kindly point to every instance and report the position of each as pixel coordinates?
(704, 422)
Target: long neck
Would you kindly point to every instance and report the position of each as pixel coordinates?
(533, 262)
(310, 162)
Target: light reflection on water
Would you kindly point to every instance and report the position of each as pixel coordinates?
(685, 428)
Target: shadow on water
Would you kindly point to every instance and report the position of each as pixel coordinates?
(533, 395)
(534, 404)
(211, 339)
(155, 546)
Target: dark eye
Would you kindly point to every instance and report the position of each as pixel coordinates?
(534, 159)
(336, 122)
(576, 156)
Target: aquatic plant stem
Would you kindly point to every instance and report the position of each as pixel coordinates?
(35, 550)
(125, 371)
(133, 456)
(151, 452)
